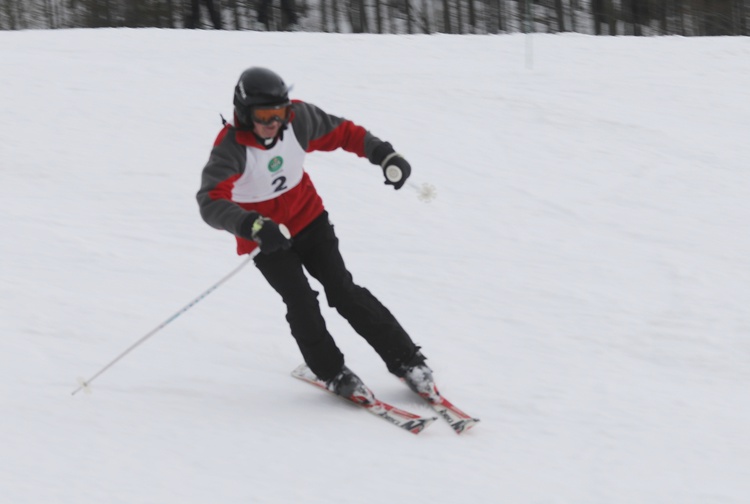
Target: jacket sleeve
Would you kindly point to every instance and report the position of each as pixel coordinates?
(317, 130)
(225, 165)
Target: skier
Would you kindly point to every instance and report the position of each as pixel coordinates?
(255, 186)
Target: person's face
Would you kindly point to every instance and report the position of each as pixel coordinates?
(268, 120)
(266, 130)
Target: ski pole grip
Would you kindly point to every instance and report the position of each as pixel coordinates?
(393, 173)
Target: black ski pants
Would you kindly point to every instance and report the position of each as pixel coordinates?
(316, 249)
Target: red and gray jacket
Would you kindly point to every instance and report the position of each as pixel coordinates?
(244, 176)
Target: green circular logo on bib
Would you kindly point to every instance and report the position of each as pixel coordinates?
(274, 165)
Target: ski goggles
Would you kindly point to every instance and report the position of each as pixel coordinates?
(269, 115)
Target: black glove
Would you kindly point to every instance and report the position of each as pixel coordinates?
(269, 236)
(396, 169)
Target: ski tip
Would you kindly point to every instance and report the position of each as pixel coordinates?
(303, 372)
(464, 425)
(423, 424)
(300, 370)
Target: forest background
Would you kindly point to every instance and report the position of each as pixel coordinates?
(597, 17)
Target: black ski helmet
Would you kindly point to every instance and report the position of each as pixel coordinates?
(258, 87)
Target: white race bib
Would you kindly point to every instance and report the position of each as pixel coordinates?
(270, 173)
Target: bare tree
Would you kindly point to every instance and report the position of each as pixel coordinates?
(526, 9)
(13, 14)
(603, 13)
(335, 9)
(500, 16)
(324, 15)
(427, 17)
(409, 17)
(447, 16)
(472, 16)
(742, 14)
(560, 12)
(378, 16)
(193, 20)
(234, 8)
(357, 16)
(636, 17)
(718, 17)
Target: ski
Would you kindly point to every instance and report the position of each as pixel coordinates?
(459, 421)
(396, 416)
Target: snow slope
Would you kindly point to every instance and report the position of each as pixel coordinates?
(581, 282)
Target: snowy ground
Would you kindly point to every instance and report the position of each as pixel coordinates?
(581, 282)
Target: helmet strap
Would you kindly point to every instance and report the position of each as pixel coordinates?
(268, 143)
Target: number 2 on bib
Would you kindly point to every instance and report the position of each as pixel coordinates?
(279, 183)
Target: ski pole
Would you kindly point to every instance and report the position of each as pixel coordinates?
(425, 192)
(84, 384)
